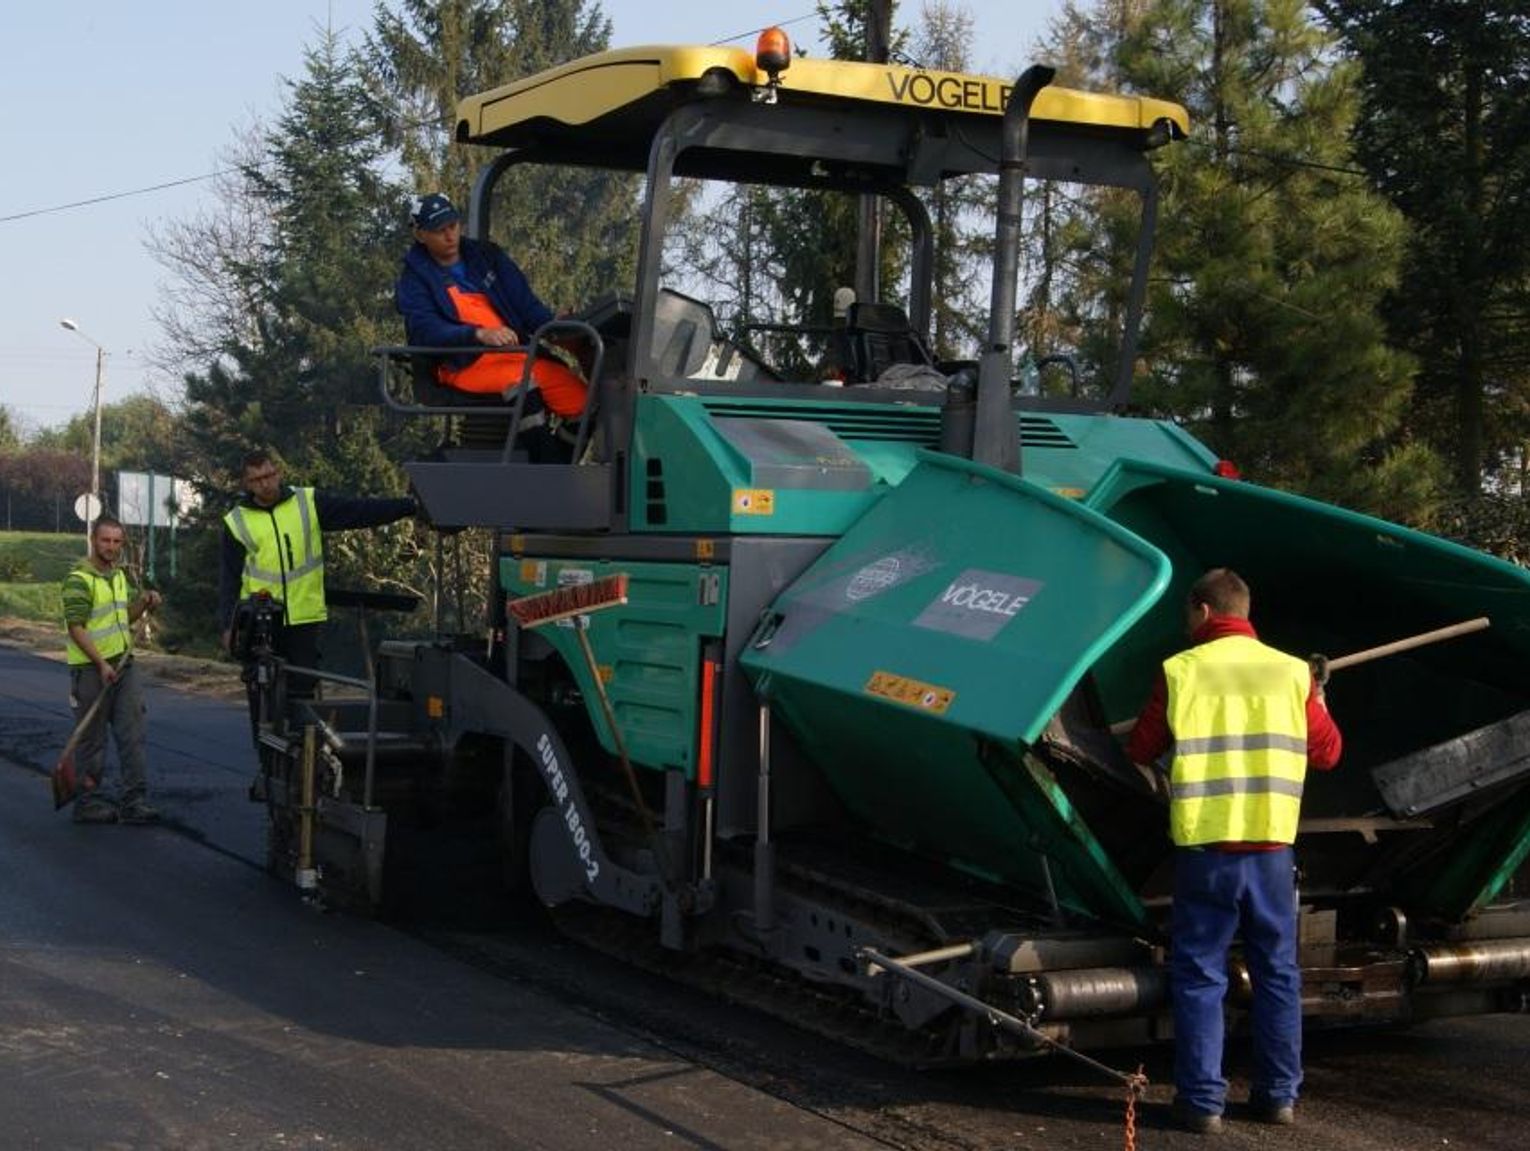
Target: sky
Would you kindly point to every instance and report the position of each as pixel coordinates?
(99, 98)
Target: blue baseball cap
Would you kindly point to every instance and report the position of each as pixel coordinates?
(433, 211)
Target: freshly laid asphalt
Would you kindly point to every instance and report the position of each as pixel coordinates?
(200, 758)
(158, 990)
(157, 994)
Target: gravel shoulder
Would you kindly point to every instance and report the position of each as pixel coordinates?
(218, 679)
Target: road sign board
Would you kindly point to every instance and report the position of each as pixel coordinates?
(87, 507)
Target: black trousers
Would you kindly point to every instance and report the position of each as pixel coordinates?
(298, 644)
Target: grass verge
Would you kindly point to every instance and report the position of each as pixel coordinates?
(32, 601)
(38, 557)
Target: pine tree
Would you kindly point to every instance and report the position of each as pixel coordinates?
(295, 373)
(311, 267)
(961, 210)
(714, 252)
(798, 246)
(574, 232)
(1079, 241)
(1445, 135)
(1264, 331)
(335, 235)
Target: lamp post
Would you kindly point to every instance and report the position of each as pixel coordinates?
(95, 453)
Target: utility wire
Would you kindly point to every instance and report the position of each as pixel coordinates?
(108, 197)
(757, 31)
(144, 191)
(1288, 161)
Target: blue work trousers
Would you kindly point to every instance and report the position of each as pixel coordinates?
(1217, 894)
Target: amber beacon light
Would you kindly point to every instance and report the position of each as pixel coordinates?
(773, 53)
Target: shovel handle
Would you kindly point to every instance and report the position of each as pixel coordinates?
(139, 628)
(1464, 628)
(79, 728)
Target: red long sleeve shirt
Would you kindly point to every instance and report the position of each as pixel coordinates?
(1152, 737)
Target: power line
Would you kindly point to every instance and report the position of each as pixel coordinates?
(757, 31)
(110, 196)
(1287, 161)
(144, 191)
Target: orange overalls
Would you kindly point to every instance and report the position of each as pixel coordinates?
(563, 391)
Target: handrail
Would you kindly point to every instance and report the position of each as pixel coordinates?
(388, 353)
(371, 693)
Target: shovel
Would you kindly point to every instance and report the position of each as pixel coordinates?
(66, 783)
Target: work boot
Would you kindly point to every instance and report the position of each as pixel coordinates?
(138, 811)
(1282, 1113)
(94, 811)
(1200, 1122)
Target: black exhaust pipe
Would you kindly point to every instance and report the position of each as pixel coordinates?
(996, 439)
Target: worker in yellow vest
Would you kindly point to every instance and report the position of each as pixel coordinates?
(273, 542)
(1241, 723)
(98, 619)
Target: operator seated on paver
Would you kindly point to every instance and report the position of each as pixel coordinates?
(455, 291)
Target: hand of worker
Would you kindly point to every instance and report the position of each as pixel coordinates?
(107, 671)
(150, 600)
(1318, 662)
(497, 337)
(1156, 782)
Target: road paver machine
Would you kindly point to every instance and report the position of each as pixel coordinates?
(821, 665)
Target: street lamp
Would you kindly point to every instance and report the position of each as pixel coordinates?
(95, 454)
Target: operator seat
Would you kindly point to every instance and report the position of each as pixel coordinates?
(684, 330)
(876, 337)
(473, 433)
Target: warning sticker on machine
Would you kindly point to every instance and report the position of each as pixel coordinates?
(913, 693)
(978, 603)
(754, 502)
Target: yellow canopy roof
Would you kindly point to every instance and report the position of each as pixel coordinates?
(627, 92)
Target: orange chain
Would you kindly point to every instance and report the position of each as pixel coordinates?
(1135, 1086)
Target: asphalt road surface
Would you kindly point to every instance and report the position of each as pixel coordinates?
(157, 990)
(154, 994)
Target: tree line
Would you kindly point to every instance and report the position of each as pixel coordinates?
(1338, 302)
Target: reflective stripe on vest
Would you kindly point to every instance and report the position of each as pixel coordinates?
(496, 373)
(1238, 712)
(109, 626)
(283, 554)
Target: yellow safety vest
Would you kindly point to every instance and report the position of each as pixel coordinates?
(283, 554)
(1238, 712)
(109, 627)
